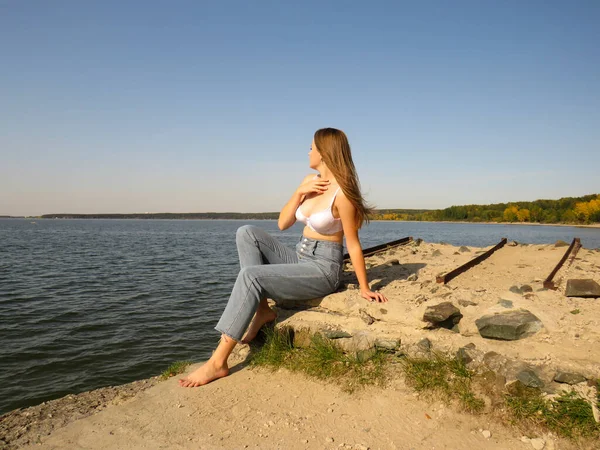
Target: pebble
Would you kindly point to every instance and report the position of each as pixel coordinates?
(538, 443)
(329, 440)
(486, 434)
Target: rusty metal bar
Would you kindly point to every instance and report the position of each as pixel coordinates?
(456, 272)
(382, 247)
(574, 247)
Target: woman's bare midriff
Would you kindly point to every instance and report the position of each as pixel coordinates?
(337, 237)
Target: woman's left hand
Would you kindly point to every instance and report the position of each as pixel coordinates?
(373, 296)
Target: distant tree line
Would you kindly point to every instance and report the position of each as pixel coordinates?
(208, 215)
(574, 210)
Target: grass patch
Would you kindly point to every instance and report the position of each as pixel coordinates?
(568, 415)
(175, 369)
(445, 376)
(322, 359)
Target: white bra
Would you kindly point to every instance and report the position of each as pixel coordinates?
(323, 221)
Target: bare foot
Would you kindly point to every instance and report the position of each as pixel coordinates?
(261, 317)
(204, 375)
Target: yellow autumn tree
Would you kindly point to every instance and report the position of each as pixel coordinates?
(511, 214)
(588, 211)
(523, 215)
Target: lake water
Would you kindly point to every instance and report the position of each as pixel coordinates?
(92, 303)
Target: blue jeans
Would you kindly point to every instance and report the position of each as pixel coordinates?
(271, 270)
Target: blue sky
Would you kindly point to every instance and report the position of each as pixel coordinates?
(189, 106)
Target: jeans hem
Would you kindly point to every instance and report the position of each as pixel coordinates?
(238, 341)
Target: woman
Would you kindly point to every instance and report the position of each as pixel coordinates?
(331, 206)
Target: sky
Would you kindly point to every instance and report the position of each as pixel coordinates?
(198, 106)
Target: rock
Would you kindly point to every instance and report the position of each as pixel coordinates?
(568, 377)
(366, 317)
(586, 288)
(436, 253)
(512, 244)
(463, 355)
(560, 243)
(417, 242)
(537, 443)
(424, 345)
(393, 262)
(412, 277)
(505, 303)
(444, 315)
(508, 326)
(301, 337)
(529, 378)
(336, 334)
(383, 310)
(466, 303)
(456, 253)
(464, 249)
(486, 434)
(515, 289)
(365, 355)
(368, 266)
(387, 344)
(329, 440)
(525, 288)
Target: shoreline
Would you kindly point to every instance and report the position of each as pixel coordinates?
(593, 225)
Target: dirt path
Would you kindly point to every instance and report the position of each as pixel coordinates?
(260, 409)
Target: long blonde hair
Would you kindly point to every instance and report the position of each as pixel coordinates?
(334, 148)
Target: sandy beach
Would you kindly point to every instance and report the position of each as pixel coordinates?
(256, 408)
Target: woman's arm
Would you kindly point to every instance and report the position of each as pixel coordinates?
(347, 213)
(287, 216)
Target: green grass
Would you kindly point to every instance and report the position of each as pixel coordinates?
(322, 359)
(175, 369)
(443, 375)
(568, 415)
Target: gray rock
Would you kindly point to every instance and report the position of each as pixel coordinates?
(417, 242)
(464, 249)
(521, 289)
(508, 326)
(365, 355)
(515, 289)
(560, 243)
(529, 378)
(505, 303)
(582, 288)
(336, 334)
(436, 253)
(412, 277)
(568, 377)
(387, 344)
(424, 345)
(467, 303)
(444, 315)
(366, 317)
(464, 354)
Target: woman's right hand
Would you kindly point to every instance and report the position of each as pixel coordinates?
(316, 185)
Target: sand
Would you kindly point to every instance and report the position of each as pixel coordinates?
(255, 408)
